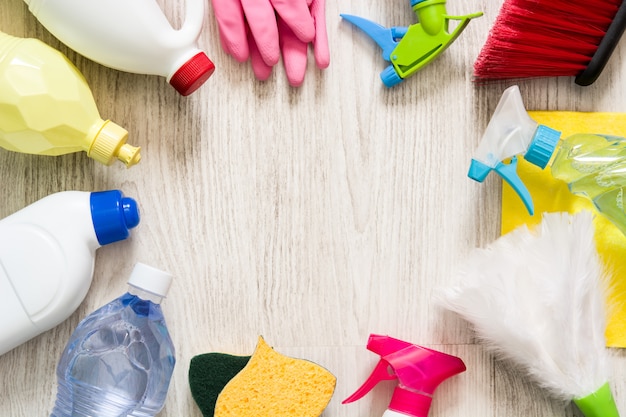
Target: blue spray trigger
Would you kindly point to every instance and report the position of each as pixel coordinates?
(410, 48)
(508, 172)
(478, 171)
(384, 37)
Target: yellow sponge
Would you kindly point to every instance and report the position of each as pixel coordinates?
(272, 385)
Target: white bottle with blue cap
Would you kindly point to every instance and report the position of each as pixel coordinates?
(47, 254)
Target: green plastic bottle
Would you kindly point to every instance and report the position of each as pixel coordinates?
(593, 165)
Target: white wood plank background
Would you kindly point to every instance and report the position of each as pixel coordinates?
(312, 216)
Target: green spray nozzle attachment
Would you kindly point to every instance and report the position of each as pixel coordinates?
(512, 132)
(410, 48)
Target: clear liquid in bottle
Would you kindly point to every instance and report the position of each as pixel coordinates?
(594, 166)
(119, 360)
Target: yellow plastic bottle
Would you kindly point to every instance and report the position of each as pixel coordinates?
(47, 108)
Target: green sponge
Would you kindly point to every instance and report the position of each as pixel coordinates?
(208, 375)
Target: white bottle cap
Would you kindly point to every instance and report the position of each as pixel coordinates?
(150, 279)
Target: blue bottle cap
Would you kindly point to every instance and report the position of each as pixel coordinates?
(431, 2)
(113, 215)
(390, 77)
(542, 146)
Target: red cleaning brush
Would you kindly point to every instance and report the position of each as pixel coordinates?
(548, 38)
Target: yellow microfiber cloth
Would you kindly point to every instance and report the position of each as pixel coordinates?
(275, 385)
(551, 195)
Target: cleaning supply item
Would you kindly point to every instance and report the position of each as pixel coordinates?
(411, 48)
(131, 36)
(48, 108)
(208, 375)
(120, 359)
(260, 29)
(591, 164)
(536, 299)
(272, 385)
(553, 195)
(47, 253)
(548, 38)
(418, 370)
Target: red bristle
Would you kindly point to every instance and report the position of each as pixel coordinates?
(542, 38)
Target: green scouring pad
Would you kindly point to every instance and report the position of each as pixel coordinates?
(208, 375)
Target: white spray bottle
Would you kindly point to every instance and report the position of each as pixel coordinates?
(510, 132)
(47, 253)
(132, 36)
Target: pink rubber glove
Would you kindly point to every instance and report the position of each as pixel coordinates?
(261, 29)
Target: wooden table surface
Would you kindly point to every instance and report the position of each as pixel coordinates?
(312, 216)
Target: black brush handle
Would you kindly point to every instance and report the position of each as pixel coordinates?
(605, 49)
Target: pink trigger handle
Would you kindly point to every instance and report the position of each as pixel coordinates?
(419, 372)
(380, 373)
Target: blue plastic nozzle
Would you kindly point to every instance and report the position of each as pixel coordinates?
(511, 132)
(409, 49)
(390, 76)
(113, 215)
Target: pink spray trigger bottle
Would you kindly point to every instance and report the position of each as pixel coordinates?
(419, 372)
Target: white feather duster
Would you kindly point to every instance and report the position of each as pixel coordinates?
(537, 298)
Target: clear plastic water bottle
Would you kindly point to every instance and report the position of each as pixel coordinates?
(120, 359)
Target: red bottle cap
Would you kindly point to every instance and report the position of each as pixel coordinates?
(192, 74)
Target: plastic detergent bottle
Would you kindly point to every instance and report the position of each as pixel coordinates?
(48, 108)
(47, 253)
(592, 165)
(120, 359)
(132, 36)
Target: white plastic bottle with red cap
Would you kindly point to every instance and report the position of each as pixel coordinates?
(47, 254)
(133, 36)
(120, 359)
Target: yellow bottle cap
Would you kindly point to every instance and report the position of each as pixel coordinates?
(110, 143)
